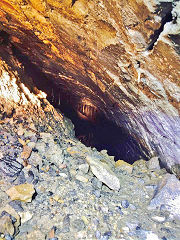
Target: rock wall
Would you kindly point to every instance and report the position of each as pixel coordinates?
(122, 56)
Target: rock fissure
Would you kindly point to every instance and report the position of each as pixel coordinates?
(154, 37)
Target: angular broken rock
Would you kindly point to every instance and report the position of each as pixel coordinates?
(26, 152)
(124, 166)
(22, 192)
(103, 172)
(167, 195)
(6, 225)
(153, 163)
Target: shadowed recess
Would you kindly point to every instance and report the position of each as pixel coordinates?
(92, 128)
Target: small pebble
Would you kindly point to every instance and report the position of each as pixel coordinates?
(132, 207)
(119, 210)
(97, 193)
(16, 205)
(125, 203)
(78, 224)
(8, 237)
(98, 234)
(109, 234)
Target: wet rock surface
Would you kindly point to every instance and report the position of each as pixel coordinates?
(72, 201)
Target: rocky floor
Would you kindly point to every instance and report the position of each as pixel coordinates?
(53, 187)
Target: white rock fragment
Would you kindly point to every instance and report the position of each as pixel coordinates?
(153, 163)
(103, 172)
(1, 155)
(151, 236)
(84, 168)
(82, 178)
(159, 219)
(25, 216)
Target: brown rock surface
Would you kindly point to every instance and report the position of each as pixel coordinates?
(120, 55)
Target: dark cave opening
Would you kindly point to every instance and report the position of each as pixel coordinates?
(91, 126)
(103, 134)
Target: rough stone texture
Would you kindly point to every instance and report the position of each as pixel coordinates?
(103, 172)
(23, 192)
(73, 208)
(153, 163)
(6, 225)
(122, 165)
(167, 195)
(120, 56)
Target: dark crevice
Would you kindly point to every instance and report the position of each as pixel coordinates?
(91, 126)
(104, 134)
(154, 37)
(73, 2)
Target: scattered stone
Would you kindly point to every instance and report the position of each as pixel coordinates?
(54, 155)
(102, 171)
(22, 192)
(37, 234)
(16, 205)
(6, 225)
(58, 199)
(1, 155)
(96, 183)
(168, 195)
(159, 219)
(119, 210)
(41, 146)
(25, 216)
(85, 220)
(132, 207)
(66, 224)
(78, 225)
(63, 195)
(125, 203)
(26, 152)
(21, 141)
(175, 169)
(10, 167)
(84, 168)
(20, 131)
(98, 234)
(14, 216)
(140, 166)
(82, 178)
(124, 166)
(97, 193)
(153, 163)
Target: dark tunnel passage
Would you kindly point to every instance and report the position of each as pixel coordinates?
(104, 134)
(91, 126)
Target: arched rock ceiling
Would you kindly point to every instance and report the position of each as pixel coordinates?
(122, 55)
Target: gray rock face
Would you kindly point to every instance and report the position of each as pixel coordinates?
(103, 172)
(167, 196)
(153, 163)
(10, 167)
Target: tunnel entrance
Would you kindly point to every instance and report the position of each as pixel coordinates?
(91, 126)
(99, 132)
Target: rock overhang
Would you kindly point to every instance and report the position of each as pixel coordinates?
(98, 49)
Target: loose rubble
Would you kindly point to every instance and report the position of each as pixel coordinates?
(53, 187)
